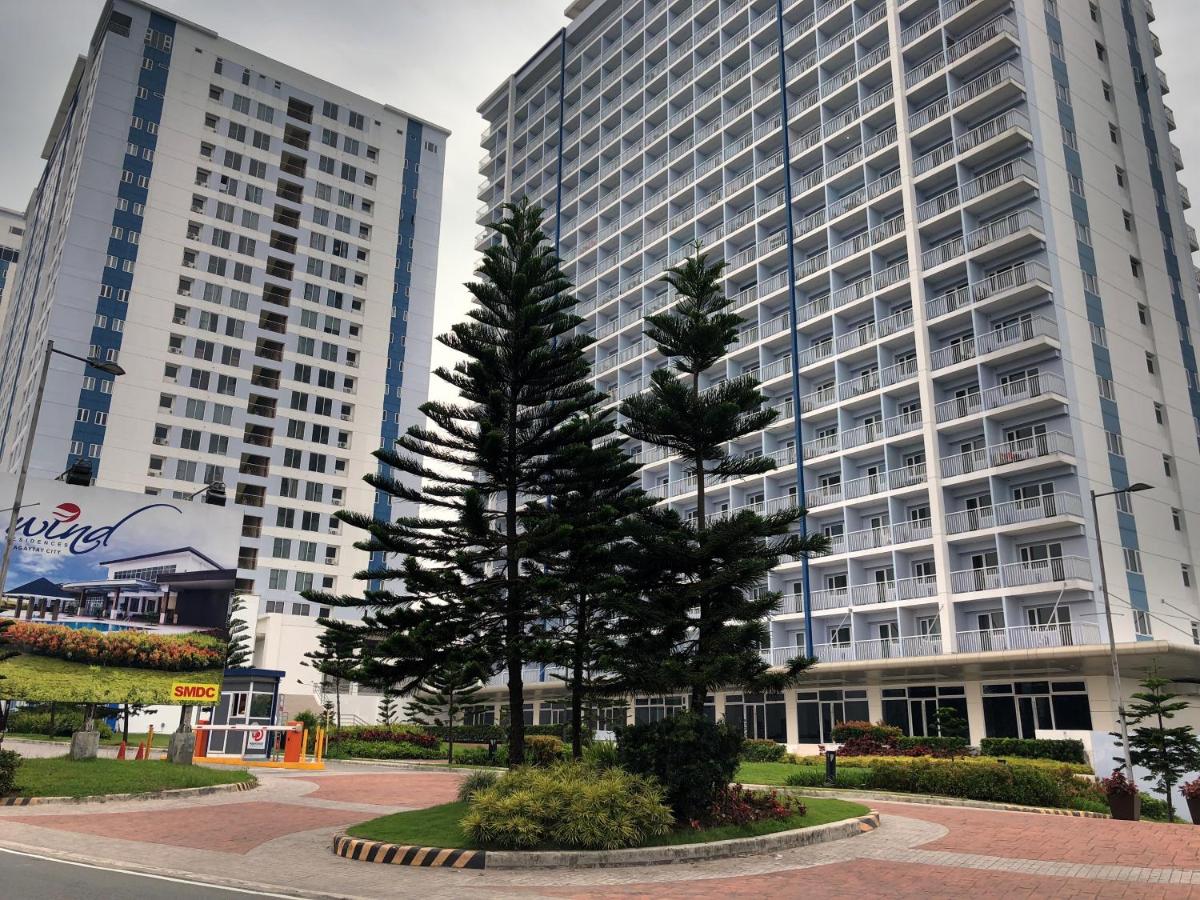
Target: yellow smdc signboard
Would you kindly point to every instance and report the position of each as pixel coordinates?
(186, 692)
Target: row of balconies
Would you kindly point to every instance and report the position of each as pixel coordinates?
(1020, 637)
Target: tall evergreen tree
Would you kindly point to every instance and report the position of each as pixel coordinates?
(387, 707)
(336, 659)
(580, 569)
(702, 621)
(237, 636)
(1168, 752)
(482, 462)
(440, 700)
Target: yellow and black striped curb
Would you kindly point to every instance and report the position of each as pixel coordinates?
(169, 794)
(404, 855)
(400, 855)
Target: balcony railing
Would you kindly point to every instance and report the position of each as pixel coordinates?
(1014, 512)
(1019, 389)
(998, 338)
(1046, 571)
(1029, 637)
(1020, 450)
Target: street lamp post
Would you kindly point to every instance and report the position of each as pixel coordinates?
(1112, 641)
(10, 536)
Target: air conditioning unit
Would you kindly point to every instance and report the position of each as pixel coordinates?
(162, 442)
(345, 417)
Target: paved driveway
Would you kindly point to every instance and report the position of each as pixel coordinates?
(278, 837)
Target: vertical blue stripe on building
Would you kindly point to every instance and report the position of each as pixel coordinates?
(797, 431)
(1111, 421)
(131, 193)
(402, 279)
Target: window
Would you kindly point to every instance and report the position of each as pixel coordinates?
(818, 712)
(329, 110)
(1133, 560)
(356, 121)
(1127, 218)
(1114, 443)
(914, 710)
(1168, 467)
(277, 582)
(1120, 176)
(1114, 133)
(1141, 624)
(1151, 365)
(1177, 518)
(300, 609)
(1107, 90)
(1019, 709)
(1143, 315)
(1101, 53)
(1185, 572)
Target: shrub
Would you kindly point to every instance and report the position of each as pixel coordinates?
(137, 649)
(66, 722)
(763, 751)
(811, 776)
(1025, 785)
(693, 759)
(481, 734)
(376, 734)
(932, 745)
(478, 780)
(1034, 748)
(353, 749)
(1154, 809)
(1117, 785)
(543, 750)
(567, 805)
(9, 761)
(1190, 789)
(601, 755)
(735, 805)
(883, 734)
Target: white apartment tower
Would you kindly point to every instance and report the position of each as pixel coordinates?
(956, 235)
(257, 249)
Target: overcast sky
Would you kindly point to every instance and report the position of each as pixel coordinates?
(434, 58)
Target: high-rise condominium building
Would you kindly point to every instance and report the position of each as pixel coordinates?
(256, 248)
(956, 236)
(12, 230)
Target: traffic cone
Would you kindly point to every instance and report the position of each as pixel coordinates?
(121, 751)
(141, 754)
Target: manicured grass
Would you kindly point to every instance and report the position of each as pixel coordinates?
(161, 741)
(764, 772)
(30, 677)
(438, 826)
(64, 777)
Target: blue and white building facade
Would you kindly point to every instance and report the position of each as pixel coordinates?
(12, 232)
(956, 235)
(257, 249)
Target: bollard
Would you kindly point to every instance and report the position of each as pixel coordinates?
(830, 768)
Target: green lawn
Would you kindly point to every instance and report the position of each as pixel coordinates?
(30, 677)
(438, 826)
(764, 772)
(63, 777)
(161, 741)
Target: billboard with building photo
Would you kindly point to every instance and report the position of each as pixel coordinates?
(115, 597)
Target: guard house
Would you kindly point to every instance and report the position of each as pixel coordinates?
(248, 697)
(179, 587)
(40, 596)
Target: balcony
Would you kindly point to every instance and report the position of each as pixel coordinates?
(1034, 447)
(886, 535)
(1014, 512)
(1029, 637)
(997, 339)
(1045, 384)
(891, 591)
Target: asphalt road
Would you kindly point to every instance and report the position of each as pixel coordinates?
(35, 878)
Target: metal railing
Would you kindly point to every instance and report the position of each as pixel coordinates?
(1022, 449)
(1029, 637)
(1013, 512)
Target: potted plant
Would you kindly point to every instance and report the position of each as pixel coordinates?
(1123, 800)
(1191, 793)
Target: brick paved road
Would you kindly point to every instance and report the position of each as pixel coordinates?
(279, 835)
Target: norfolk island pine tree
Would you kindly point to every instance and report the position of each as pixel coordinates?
(450, 577)
(702, 621)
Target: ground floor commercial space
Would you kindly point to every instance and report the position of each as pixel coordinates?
(1040, 693)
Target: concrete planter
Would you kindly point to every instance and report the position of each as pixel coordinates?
(1193, 804)
(85, 744)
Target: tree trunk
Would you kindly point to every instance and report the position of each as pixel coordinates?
(699, 691)
(125, 723)
(513, 624)
(337, 696)
(450, 726)
(53, 710)
(581, 637)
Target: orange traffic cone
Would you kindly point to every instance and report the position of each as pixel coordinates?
(121, 751)
(141, 754)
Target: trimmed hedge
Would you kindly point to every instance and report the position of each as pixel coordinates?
(756, 750)
(931, 744)
(9, 761)
(812, 776)
(66, 722)
(995, 782)
(869, 761)
(353, 749)
(383, 734)
(481, 734)
(1070, 751)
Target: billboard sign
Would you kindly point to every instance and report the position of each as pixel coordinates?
(115, 597)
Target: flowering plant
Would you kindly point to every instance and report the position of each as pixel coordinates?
(1190, 789)
(1117, 785)
(735, 805)
(137, 649)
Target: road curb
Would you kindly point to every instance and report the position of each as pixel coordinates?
(925, 800)
(168, 794)
(364, 850)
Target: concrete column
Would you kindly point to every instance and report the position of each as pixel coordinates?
(793, 722)
(974, 692)
(874, 703)
(718, 705)
(55, 608)
(17, 608)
